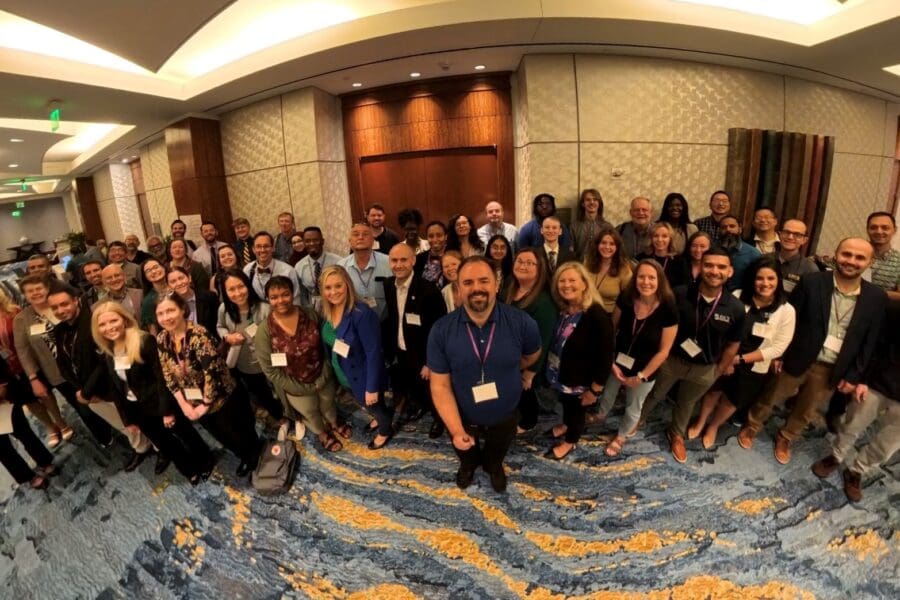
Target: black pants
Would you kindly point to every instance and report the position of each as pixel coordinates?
(181, 443)
(528, 408)
(491, 445)
(234, 425)
(383, 414)
(10, 459)
(573, 416)
(407, 380)
(100, 429)
(259, 391)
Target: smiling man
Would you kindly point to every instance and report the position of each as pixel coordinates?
(881, 228)
(838, 318)
(719, 206)
(710, 324)
(476, 356)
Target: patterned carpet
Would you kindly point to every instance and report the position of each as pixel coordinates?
(392, 524)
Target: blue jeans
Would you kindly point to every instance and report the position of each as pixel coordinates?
(634, 402)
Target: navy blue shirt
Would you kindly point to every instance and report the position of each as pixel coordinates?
(450, 352)
(714, 330)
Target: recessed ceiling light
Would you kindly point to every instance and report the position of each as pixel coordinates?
(124, 160)
(415, 74)
(479, 67)
(13, 165)
(356, 84)
(134, 157)
(16, 140)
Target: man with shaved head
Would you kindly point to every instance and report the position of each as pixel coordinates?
(839, 316)
(413, 306)
(794, 265)
(113, 278)
(496, 225)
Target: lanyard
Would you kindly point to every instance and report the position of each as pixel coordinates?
(839, 318)
(635, 330)
(482, 359)
(366, 283)
(709, 314)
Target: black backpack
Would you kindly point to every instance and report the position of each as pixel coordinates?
(274, 473)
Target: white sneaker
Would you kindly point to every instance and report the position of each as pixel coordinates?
(299, 430)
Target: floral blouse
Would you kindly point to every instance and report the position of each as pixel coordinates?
(198, 365)
(303, 347)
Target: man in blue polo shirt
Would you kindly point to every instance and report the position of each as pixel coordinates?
(476, 355)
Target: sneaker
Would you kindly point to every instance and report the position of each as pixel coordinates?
(853, 485)
(498, 480)
(676, 445)
(745, 437)
(782, 449)
(825, 466)
(464, 478)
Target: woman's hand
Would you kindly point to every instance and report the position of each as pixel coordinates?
(618, 374)
(235, 339)
(133, 429)
(371, 398)
(169, 421)
(527, 379)
(632, 382)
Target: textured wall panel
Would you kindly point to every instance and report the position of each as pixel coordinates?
(129, 216)
(306, 193)
(159, 163)
(109, 217)
(523, 185)
(299, 126)
(854, 186)
(655, 100)
(553, 168)
(329, 126)
(891, 129)
(161, 203)
(336, 217)
(652, 170)
(882, 199)
(856, 121)
(122, 180)
(252, 137)
(552, 107)
(519, 96)
(259, 196)
(103, 188)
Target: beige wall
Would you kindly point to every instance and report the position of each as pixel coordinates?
(665, 123)
(117, 202)
(158, 184)
(287, 154)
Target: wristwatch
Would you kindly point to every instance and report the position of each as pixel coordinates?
(640, 375)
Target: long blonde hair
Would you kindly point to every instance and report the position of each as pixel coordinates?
(133, 333)
(7, 305)
(590, 296)
(329, 311)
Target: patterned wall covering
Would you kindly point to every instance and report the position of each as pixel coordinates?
(891, 116)
(103, 188)
(299, 126)
(161, 203)
(336, 216)
(252, 137)
(552, 104)
(854, 188)
(329, 127)
(109, 218)
(259, 196)
(158, 184)
(305, 193)
(522, 168)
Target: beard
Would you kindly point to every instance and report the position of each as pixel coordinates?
(729, 241)
(478, 301)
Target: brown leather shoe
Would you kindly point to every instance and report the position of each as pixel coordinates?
(853, 485)
(825, 466)
(782, 449)
(676, 444)
(745, 437)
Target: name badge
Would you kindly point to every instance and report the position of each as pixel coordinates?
(788, 285)
(38, 329)
(341, 348)
(413, 319)
(250, 331)
(193, 393)
(279, 359)
(376, 245)
(370, 300)
(122, 363)
(763, 330)
(834, 343)
(624, 360)
(485, 392)
(691, 347)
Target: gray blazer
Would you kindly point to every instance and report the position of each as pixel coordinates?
(34, 354)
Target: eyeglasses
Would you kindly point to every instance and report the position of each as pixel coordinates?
(793, 234)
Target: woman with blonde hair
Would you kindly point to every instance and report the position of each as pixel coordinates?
(662, 250)
(581, 353)
(138, 389)
(450, 262)
(352, 336)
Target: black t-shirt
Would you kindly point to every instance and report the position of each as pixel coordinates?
(673, 266)
(711, 329)
(640, 339)
(750, 342)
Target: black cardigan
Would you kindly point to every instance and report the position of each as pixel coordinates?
(147, 383)
(587, 356)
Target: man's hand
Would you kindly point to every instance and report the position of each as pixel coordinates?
(425, 373)
(39, 389)
(860, 393)
(463, 442)
(844, 387)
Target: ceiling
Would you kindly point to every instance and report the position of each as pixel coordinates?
(135, 67)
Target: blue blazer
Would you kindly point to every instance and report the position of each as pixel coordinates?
(364, 364)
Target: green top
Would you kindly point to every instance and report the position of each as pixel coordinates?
(148, 309)
(329, 335)
(543, 310)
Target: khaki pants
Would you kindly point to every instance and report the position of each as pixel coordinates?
(109, 413)
(815, 391)
(695, 380)
(317, 407)
(882, 444)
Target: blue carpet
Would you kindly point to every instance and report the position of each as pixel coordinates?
(392, 524)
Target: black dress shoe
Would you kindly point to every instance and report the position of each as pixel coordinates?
(135, 461)
(437, 429)
(464, 478)
(162, 463)
(498, 480)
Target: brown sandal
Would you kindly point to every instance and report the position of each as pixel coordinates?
(344, 430)
(614, 447)
(332, 444)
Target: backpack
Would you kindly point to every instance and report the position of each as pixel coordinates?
(275, 471)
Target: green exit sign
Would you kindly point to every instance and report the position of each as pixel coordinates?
(20, 205)
(16, 213)
(54, 119)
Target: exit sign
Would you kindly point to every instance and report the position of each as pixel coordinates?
(17, 213)
(54, 119)
(20, 205)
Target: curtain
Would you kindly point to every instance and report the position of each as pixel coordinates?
(785, 171)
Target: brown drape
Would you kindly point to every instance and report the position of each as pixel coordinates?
(786, 171)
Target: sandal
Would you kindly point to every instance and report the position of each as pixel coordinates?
(67, 433)
(48, 471)
(344, 430)
(551, 453)
(614, 447)
(38, 482)
(332, 444)
(54, 439)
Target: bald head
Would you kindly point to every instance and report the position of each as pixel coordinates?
(494, 211)
(852, 257)
(402, 258)
(113, 278)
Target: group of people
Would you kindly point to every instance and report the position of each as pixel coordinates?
(472, 325)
